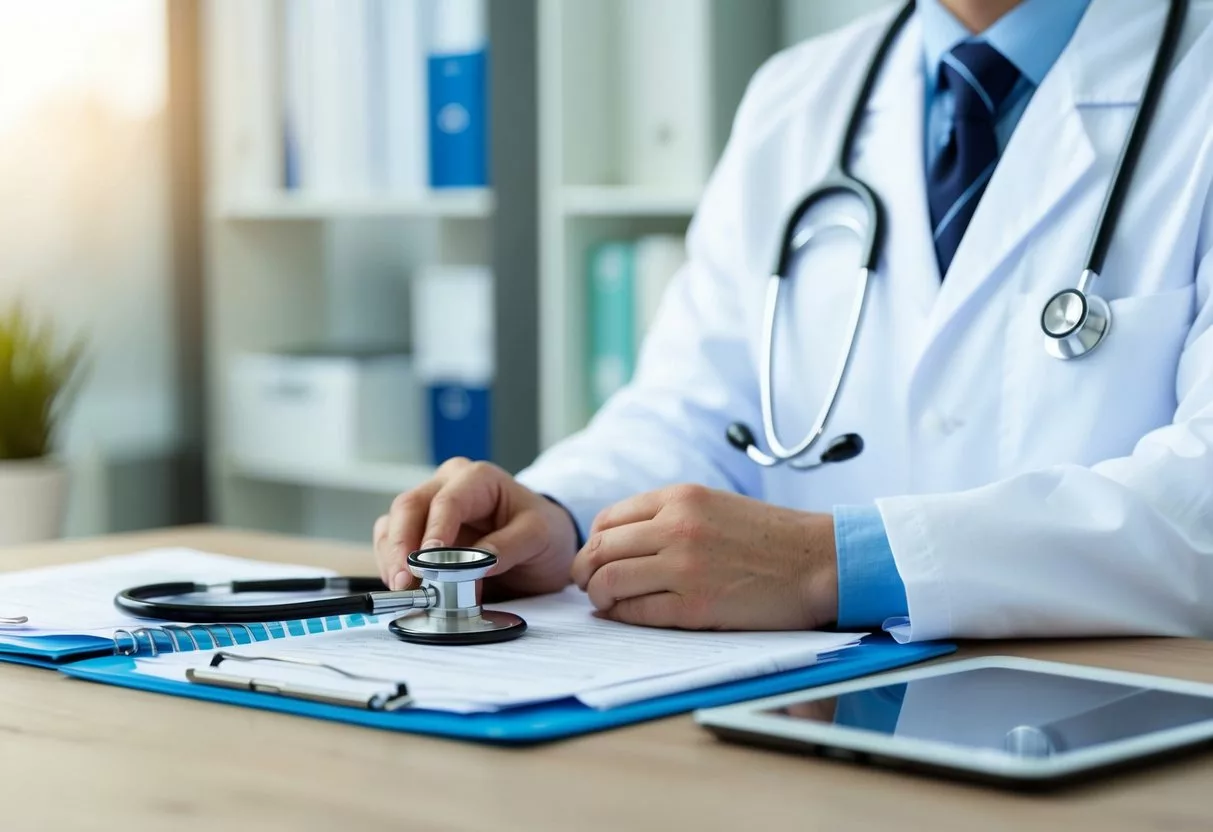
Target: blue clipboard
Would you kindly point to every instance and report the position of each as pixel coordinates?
(535, 723)
(50, 651)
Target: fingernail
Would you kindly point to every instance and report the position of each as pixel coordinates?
(400, 581)
(432, 544)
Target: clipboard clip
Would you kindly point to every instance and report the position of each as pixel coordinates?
(393, 696)
(13, 621)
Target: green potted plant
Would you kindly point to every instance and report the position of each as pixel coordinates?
(37, 380)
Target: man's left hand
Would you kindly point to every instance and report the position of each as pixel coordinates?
(692, 558)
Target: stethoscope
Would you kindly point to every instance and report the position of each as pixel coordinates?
(448, 596)
(1074, 321)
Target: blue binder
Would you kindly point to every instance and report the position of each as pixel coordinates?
(536, 723)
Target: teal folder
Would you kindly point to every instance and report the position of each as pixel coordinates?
(611, 278)
(534, 723)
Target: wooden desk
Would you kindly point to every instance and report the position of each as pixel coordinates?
(78, 755)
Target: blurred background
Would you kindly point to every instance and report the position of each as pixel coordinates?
(312, 248)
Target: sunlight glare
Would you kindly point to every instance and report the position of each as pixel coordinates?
(113, 51)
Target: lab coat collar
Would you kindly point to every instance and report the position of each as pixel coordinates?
(1092, 66)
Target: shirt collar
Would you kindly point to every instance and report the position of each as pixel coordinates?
(1032, 35)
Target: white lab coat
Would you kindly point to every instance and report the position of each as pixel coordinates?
(1022, 495)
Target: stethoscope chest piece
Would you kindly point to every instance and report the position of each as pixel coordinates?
(1074, 323)
(454, 616)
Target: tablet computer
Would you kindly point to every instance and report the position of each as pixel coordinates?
(1003, 720)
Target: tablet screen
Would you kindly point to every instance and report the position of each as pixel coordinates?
(1019, 712)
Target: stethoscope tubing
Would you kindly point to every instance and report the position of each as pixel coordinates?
(140, 601)
(1088, 329)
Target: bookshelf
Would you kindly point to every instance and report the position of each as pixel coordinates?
(472, 203)
(706, 52)
(305, 265)
(284, 267)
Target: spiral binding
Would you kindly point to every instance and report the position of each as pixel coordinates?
(172, 638)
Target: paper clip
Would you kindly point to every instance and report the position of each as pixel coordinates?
(13, 621)
(395, 695)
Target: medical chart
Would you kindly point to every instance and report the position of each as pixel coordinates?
(565, 652)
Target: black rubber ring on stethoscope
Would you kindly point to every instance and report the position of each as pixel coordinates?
(486, 558)
(1082, 319)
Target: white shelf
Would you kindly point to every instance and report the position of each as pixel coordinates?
(627, 201)
(365, 477)
(472, 203)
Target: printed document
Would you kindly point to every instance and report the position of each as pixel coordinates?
(565, 652)
(78, 598)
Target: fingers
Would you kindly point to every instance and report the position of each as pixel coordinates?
(662, 609)
(378, 543)
(632, 510)
(472, 494)
(518, 541)
(626, 579)
(631, 541)
(401, 531)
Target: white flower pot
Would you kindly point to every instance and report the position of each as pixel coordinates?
(33, 500)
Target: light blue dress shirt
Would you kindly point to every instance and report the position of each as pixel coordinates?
(1032, 36)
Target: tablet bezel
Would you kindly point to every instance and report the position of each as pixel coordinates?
(746, 722)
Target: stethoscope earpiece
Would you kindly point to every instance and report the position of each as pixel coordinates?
(740, 436)
(840, 448)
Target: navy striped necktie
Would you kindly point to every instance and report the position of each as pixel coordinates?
(980, 80)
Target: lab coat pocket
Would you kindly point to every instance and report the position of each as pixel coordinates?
(1096, 407)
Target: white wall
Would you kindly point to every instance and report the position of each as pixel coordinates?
(85, 227)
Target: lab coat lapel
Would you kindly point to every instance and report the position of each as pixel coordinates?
(1048, 155)
(890, 157)
(1051, 152)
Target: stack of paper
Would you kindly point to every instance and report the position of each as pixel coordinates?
(566, 652)
(78, 598)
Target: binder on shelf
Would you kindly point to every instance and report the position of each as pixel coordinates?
(458, 95)
(611, 295)
(406, 27)
(658, 259)
(354, 87)
(524, 725)
(684, 66)
(453, 348)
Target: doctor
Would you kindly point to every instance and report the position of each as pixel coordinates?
(1000, 491)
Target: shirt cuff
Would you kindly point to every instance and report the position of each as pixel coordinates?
(573, 517)
(870, 590)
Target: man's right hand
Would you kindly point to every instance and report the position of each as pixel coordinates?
(478, 504)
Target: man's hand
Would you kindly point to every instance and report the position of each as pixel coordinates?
(692, 558)
(478, 504)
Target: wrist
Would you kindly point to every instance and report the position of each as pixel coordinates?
(819, 579)
(563, 533)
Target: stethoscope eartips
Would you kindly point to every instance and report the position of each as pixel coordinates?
(842, 448)
(740, 436)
